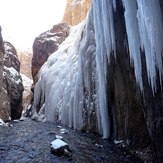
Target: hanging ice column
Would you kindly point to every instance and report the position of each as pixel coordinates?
(105, 44)
(144, 29)
(133, 38)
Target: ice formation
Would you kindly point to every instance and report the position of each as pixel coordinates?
(105, 44)
(72, 83)
(144, 29)
(59, 87)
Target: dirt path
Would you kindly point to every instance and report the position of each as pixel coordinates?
(29, 142)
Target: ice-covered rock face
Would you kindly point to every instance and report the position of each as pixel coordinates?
(62, 86)
(107, 75)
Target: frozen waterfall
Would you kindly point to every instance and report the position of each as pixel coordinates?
(72, 83)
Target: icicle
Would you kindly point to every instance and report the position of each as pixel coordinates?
(133, 38)
(105, 44)
(144, 30)
(150, 24)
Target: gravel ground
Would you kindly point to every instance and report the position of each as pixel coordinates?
(29, 142)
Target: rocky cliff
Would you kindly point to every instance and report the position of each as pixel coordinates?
(76, 11)
(106, 77)
(45, 44)
(25, 58)
(12, 87)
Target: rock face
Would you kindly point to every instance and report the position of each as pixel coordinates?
(1, 59)
(46, 44)
(12, 87)
(76, 11)
(105, 83)
(25, 58)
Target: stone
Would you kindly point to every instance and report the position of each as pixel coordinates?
(46, 44)
(59, 147)
(76, 11)
(12, 88)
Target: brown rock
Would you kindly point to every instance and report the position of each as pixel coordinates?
(12, 88)
(1, 59)
(46, 44)
(25, 58)
(76, 11)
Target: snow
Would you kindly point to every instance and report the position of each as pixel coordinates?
(12, 71)
(118, 141)
(27, 82)
(4, 124)
(58, 137)
(63, 131)
(1, 122)
(58, 143)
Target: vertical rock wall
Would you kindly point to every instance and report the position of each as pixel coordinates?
(103, 81)
(76, 11)
(1, 60)
(10, 82)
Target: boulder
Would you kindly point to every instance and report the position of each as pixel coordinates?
(12, 87)
(46, 44)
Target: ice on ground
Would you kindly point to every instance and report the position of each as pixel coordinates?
(58, 143)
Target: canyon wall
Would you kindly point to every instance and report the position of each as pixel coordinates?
(45, 44)
(76, 11)
(11, 83)
(106, 77)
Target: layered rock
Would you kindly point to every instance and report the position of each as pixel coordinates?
(76, 11)
(45, 44)
(12, 87)
(25, 58)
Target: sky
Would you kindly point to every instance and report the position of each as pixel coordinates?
(23, 20)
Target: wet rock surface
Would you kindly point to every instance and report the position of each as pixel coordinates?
(29, 141)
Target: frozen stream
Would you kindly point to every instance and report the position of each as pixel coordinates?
(29, 141)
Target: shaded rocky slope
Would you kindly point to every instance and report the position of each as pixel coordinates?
(12, 87)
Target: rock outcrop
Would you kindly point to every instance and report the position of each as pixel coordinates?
(76, 11)
(12, 87)
(46, 44)
(1, 60)
(25, 58)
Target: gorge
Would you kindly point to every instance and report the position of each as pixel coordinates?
(100, 71)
